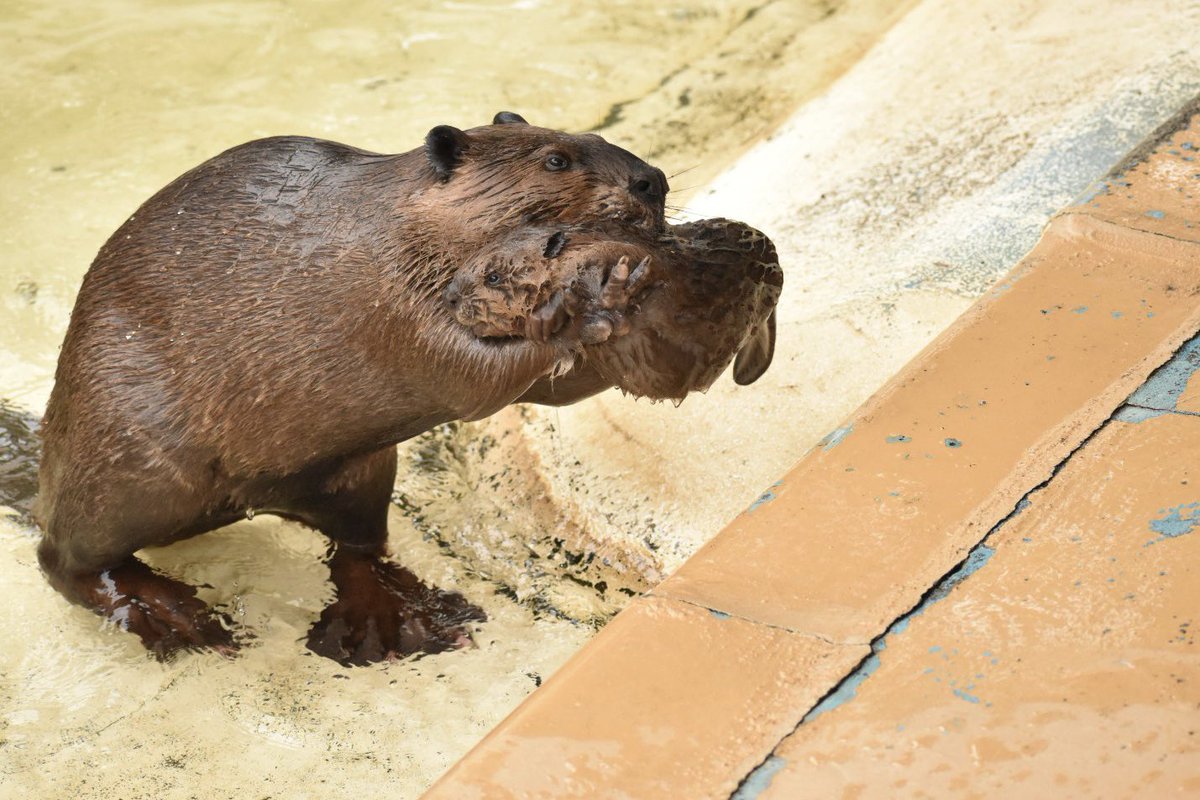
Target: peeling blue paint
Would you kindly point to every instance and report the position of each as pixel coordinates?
(848, 688)
(974, 562)
(1079, 310)
(898, 438)
(1155, 214)
(1118, 314)
(1177, 521)
(835, 438)
(1094, 191)
(964, 695)
(1137, 414)
(1168, 383)
(953, 443)
(765, 497)
(718, 614)
(759, 778)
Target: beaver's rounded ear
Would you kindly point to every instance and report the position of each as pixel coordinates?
(508, 118)
(756, 354)
(444, 147)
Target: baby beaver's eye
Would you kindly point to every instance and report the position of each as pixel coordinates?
(492, 279)
(556, 161)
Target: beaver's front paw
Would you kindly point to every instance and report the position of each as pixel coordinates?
(383, 612)
(599, 324)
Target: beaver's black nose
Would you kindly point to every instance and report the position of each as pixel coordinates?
(650, 185)
(452, 296)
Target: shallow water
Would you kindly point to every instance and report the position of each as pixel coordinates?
(100, 105)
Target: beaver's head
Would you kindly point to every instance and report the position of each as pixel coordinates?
(511, 173)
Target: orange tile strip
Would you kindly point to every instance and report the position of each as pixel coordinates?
(685, 688)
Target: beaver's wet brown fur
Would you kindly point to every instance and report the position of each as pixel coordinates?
(261, 333)
(700, 293)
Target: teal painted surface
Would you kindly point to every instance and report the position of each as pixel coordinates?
(1160, 394)
(836, 437)
(1174, 522)
(757, 781)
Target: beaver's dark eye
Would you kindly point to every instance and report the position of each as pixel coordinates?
(556, 162)
(492, 278)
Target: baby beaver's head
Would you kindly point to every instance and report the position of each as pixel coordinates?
(510, 174)
(494, 292)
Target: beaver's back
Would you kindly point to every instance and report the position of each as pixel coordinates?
(248, 278)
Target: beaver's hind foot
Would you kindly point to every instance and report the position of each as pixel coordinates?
(164, 613)
(383, 612)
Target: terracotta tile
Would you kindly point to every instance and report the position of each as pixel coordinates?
(867, 522)
(669, 700)
(1157, 188)
(1068, 665)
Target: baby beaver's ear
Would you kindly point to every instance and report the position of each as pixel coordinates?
(444, 146)
(508, 118)
(554, 245)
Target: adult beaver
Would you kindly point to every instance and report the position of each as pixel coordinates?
(701, 292)
(260, 334)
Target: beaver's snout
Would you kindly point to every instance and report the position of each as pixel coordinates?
(650, 187)
(458, 302)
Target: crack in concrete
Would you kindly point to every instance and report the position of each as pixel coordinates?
(1083, 211)
(1132, 412)
(719, 614)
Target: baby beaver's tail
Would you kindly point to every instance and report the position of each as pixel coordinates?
(20, 449)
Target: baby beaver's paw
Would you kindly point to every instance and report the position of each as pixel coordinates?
(607, 317)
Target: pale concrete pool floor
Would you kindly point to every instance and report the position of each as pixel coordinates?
(983, 583)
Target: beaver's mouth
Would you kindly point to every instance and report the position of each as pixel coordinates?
(651, 220)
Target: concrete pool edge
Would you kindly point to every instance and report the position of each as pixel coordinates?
(1077, 334)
